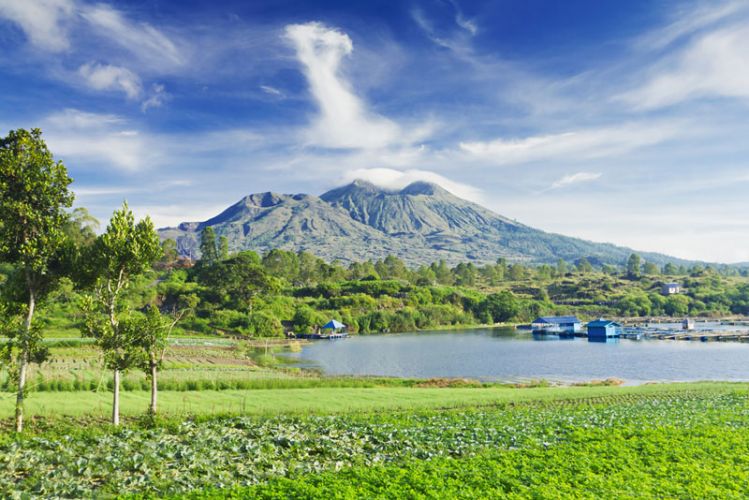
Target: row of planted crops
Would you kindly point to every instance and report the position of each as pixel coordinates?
(354, 455)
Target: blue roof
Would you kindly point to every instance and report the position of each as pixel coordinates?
(333, 325)
(603, 322)
(556, 320)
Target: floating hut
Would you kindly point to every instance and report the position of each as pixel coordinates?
(556, 325)
(604, 329)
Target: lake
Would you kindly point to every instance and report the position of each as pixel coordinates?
(504, 354)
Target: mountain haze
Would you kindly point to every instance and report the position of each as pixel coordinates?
(420, 223)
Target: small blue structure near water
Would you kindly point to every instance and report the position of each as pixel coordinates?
(333, 325)
(557, 324)
(603, 329)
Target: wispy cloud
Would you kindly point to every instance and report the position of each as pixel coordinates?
(398, 179)
(464, 22)
(108, 77)
(576, 178)
(271, 90)
(43, 21)
(691, 19)
(576, 145)
(712, 62)
(142, 40)
(344, 120)
(156, 98)
(96, 137)
(79, 29)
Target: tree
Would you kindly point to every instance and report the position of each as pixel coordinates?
(265, 324)
(239, 279)
(650, 269)
(151, 334)
(169, 254)
(584, 266)
(562, 267)
(33, 197)
(676, 305)
(465, 274)
(223, 248)
(81, 227)
(516, 272)
(125, 251)
(442, 273)
(306, 319)
(633, 266)
(281, 264)
(502, 306)
(309, 269)
(208, 248)
(670, 269)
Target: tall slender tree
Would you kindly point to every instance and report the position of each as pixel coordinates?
(208, 248)
(125, 251)
(33, 197)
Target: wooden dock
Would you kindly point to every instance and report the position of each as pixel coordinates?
(701, 336)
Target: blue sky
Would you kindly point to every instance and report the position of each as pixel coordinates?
(612, 121)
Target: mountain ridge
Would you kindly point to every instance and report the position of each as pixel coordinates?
(419, 223)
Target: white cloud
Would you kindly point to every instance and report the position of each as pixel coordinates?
(575, 179)
(344, 120)
(43, 21)
(96, 137)
(691, 20)
(461, 20)
(156, 99)
(398, 179)
(712, 64)
(271, 90)
(108, 77)
(147, 43)
(577, 145)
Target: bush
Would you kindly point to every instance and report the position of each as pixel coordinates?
(264, 324)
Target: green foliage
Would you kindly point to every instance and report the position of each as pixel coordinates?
(34, 193)
(237, 280)
(500, 307)
(209, 251)
(676, 305)
(636, 303)
(265, 324)
(633, 266)
(125, 250)
(306, 319)
(33, 197)
(656, 444)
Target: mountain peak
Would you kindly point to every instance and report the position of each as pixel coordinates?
(422, 187)
(364, 187)
(420, 223)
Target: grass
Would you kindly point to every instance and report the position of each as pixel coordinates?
(326, 400)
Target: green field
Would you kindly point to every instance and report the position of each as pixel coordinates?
(321, 400)
(667, 441)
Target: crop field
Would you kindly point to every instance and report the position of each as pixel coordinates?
(678, 441)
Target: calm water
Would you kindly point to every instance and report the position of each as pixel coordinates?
(503, 354)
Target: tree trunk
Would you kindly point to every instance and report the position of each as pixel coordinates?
(24, 363)
(116, 398)
(154, 386)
